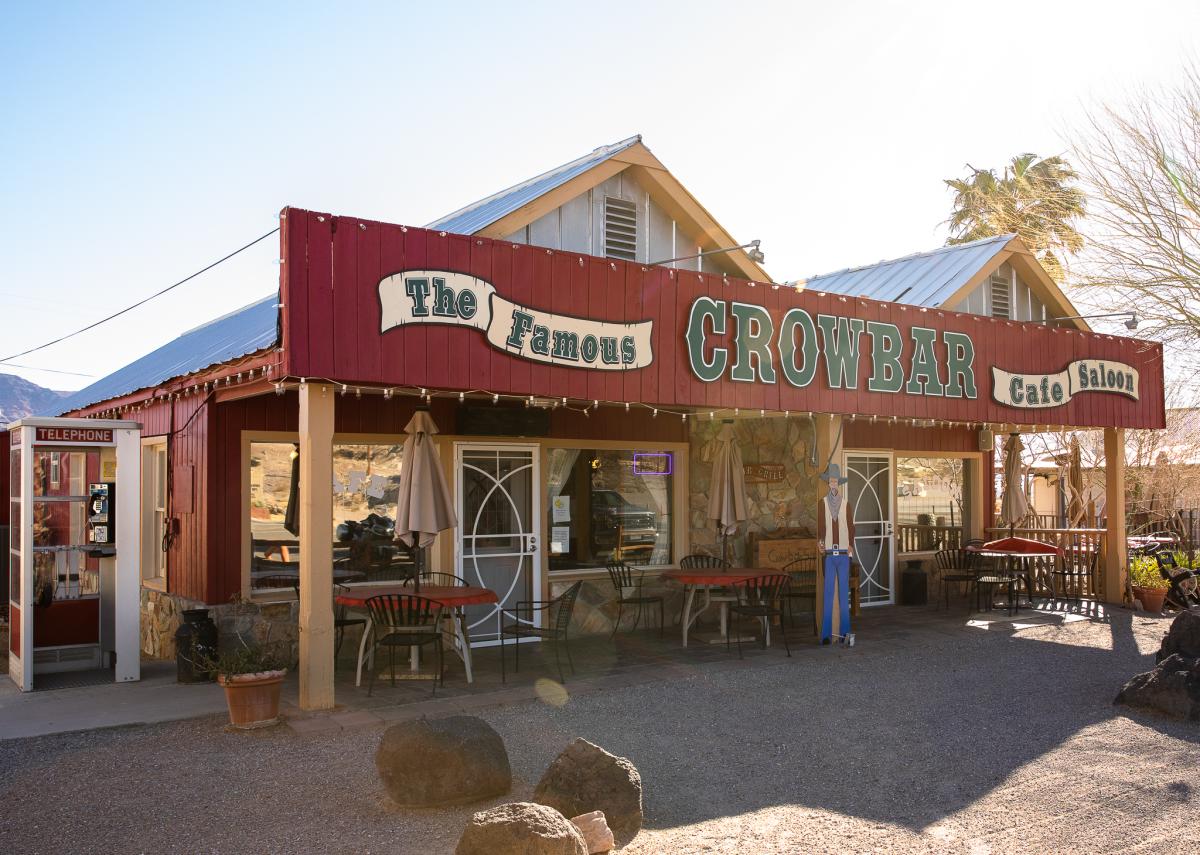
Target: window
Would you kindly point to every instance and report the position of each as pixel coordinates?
(620, 229)
(154, 511)
(606, 505)
(365, 487)
(930, 503)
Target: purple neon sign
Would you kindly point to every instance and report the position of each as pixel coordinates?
(653, 463)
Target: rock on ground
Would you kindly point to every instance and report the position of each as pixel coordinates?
(521, 828)
(585, 777)
(596, 833)
(1183, 637)
(1172, 688)
(445, 761)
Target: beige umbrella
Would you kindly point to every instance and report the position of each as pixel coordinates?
(727, 497)
(1014, 507)
(424, 506)
(1075, 509)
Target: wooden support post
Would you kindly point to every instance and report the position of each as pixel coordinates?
(1116, 556)
(829, 448)
(316, 546)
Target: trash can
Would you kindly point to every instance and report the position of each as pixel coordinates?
(913, 588)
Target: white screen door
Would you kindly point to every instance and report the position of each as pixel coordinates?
(870, 491)
(498, 509)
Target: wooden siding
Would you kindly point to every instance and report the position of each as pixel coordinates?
(340, 338)
(863, 433)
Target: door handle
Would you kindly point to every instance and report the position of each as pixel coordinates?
(531, 543)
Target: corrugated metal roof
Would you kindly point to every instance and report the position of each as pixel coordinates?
(241, 332)
(481, 214)
(925, 279)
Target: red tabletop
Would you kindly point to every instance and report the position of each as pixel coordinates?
(450, 596)
(1017, 546)
(714, 576)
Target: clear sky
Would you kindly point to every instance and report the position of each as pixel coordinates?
(141, 142)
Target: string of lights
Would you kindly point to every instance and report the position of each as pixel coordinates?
(585, 406)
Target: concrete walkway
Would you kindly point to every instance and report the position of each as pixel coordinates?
(155, 698)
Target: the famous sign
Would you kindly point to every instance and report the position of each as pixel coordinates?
(458, 299)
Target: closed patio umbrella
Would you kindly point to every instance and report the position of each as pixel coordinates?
(727, 498)
(1075, 509)
(1014, 507)
(291, 515)
(424, 506)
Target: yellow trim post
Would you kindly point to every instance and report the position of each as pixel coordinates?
(1116, 557)
(316, 546)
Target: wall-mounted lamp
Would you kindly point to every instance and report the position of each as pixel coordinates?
(752, 252)
(1131, 318)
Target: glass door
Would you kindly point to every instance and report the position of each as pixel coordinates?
(498, 510)
(870, 492)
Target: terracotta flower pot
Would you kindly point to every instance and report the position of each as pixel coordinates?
(253, 699)
(1152, 598)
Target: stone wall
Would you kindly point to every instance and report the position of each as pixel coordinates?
(790, 503)
(255, 623)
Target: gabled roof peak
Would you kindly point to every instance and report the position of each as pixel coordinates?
(480, 214)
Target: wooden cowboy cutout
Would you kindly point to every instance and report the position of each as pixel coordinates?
(835, 537)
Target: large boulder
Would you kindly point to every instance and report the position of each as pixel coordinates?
(1172, 688)
(521, 828)
(585, 777)
(1183, 637)
(445, 761)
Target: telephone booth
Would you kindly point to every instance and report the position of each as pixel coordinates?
(73, 551)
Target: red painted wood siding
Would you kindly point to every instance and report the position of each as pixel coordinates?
(332, 319)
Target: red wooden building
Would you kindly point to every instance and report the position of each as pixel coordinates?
(578, 386)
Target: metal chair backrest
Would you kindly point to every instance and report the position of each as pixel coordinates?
(562, 607)
(438, 579)
(703, 562)
(803, 571)
(401, 613)
(1167, 565)
(953, 559)
(766, 590)
(622, 575)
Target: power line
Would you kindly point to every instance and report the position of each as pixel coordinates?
(141, 302)
(50, 370)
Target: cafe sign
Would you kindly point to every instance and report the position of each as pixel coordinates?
(1029, 391)
(459, 299)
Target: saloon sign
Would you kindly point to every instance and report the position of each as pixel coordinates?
(1052, 390)
(458, 299)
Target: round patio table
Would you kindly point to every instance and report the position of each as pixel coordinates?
(693, 580)
(1017, 563)
(452, 597)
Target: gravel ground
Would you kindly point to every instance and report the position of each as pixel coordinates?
(929, 740)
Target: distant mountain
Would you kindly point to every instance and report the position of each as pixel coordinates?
(20, 398)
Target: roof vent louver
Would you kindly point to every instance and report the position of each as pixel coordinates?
(1001, 293)
(620, 229)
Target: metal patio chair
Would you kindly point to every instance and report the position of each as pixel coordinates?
(524, 624)
(627, 582)
(1075, 572)
(404, 620)
(760, 599)
(701, 561)
(803, 573)
(954, 566)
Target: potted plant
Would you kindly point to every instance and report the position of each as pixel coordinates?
(251, 676)
(1147, 582)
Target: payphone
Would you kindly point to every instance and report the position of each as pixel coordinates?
(102, 514)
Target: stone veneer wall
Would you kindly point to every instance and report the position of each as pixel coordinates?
(256, 623)
(790, 503)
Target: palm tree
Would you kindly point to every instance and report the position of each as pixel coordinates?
(1035, 198)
